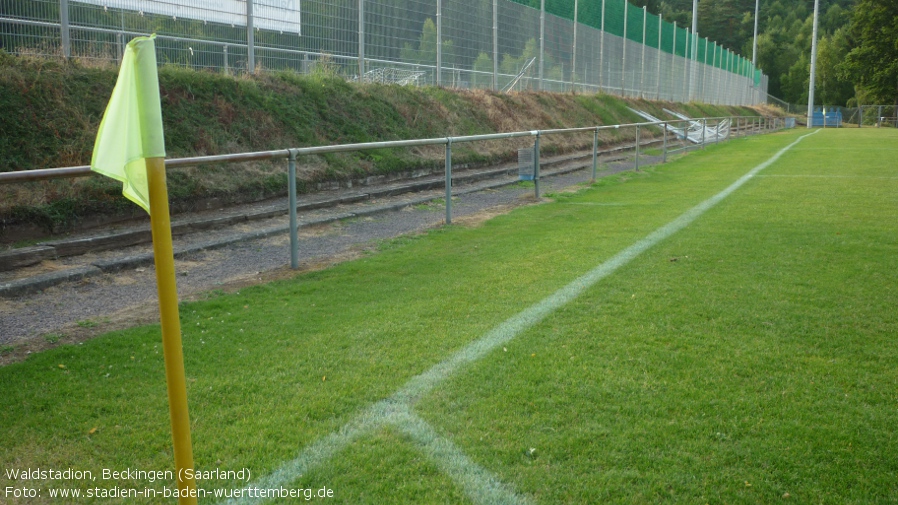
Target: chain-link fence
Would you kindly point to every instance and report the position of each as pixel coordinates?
(836, 116)
(602, 45)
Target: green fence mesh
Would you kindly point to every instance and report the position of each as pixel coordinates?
(681, 42)
(651, 31)
(634, 23)
(614, 17)
(667, 35)
(672, 41)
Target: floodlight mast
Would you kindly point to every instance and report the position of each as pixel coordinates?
(813, 65)
(754, 45)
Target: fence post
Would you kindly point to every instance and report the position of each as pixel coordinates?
(673, 60)
(291, 191)
(602, 47)
(361, 39)
(719, 72)
(439, 79)
(686, 68)
(574, 52)
(623, 63)
(660, 52)
(449, 180)
(495, 45)
(542, 40)
(64, 28)
(642, 74)
(595, 153)
(250, 39)
(536, 166)
(637, 148)
(120, 47)
(225, 54)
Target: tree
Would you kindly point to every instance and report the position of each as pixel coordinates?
(873, 62)
(426, 52)
(832, 86)
(483, 68)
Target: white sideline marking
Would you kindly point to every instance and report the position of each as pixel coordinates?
(847, 149)
(812, 176)
(603, 204)
(477, 482)
(396, 410)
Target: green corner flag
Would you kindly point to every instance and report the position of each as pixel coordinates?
(131, 129)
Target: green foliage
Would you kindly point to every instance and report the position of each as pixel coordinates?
(513, 64)
(426, 52)
(873, 62)
(834, 87)
(483, 65)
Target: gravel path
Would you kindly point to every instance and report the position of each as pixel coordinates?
(74, 311)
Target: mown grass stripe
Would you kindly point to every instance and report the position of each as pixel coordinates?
(386, 412)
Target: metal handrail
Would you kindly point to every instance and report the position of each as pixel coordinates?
(292, 154)
(84, 170)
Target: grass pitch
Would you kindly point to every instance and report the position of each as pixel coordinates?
(747, 358)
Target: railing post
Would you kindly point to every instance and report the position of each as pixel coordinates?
(717, 137)
(686, 135)
(64, 28)
(595, 153)
(637, 148)
(291, 191)
(250, 39)
(536, 166)
(664, 144)
(449, 180)
(704, 129)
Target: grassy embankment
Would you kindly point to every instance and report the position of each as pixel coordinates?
(50, 111)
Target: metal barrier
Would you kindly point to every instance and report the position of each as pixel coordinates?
(747, 125)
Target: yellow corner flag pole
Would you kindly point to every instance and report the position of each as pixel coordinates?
(163, 253)
(130, 147)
